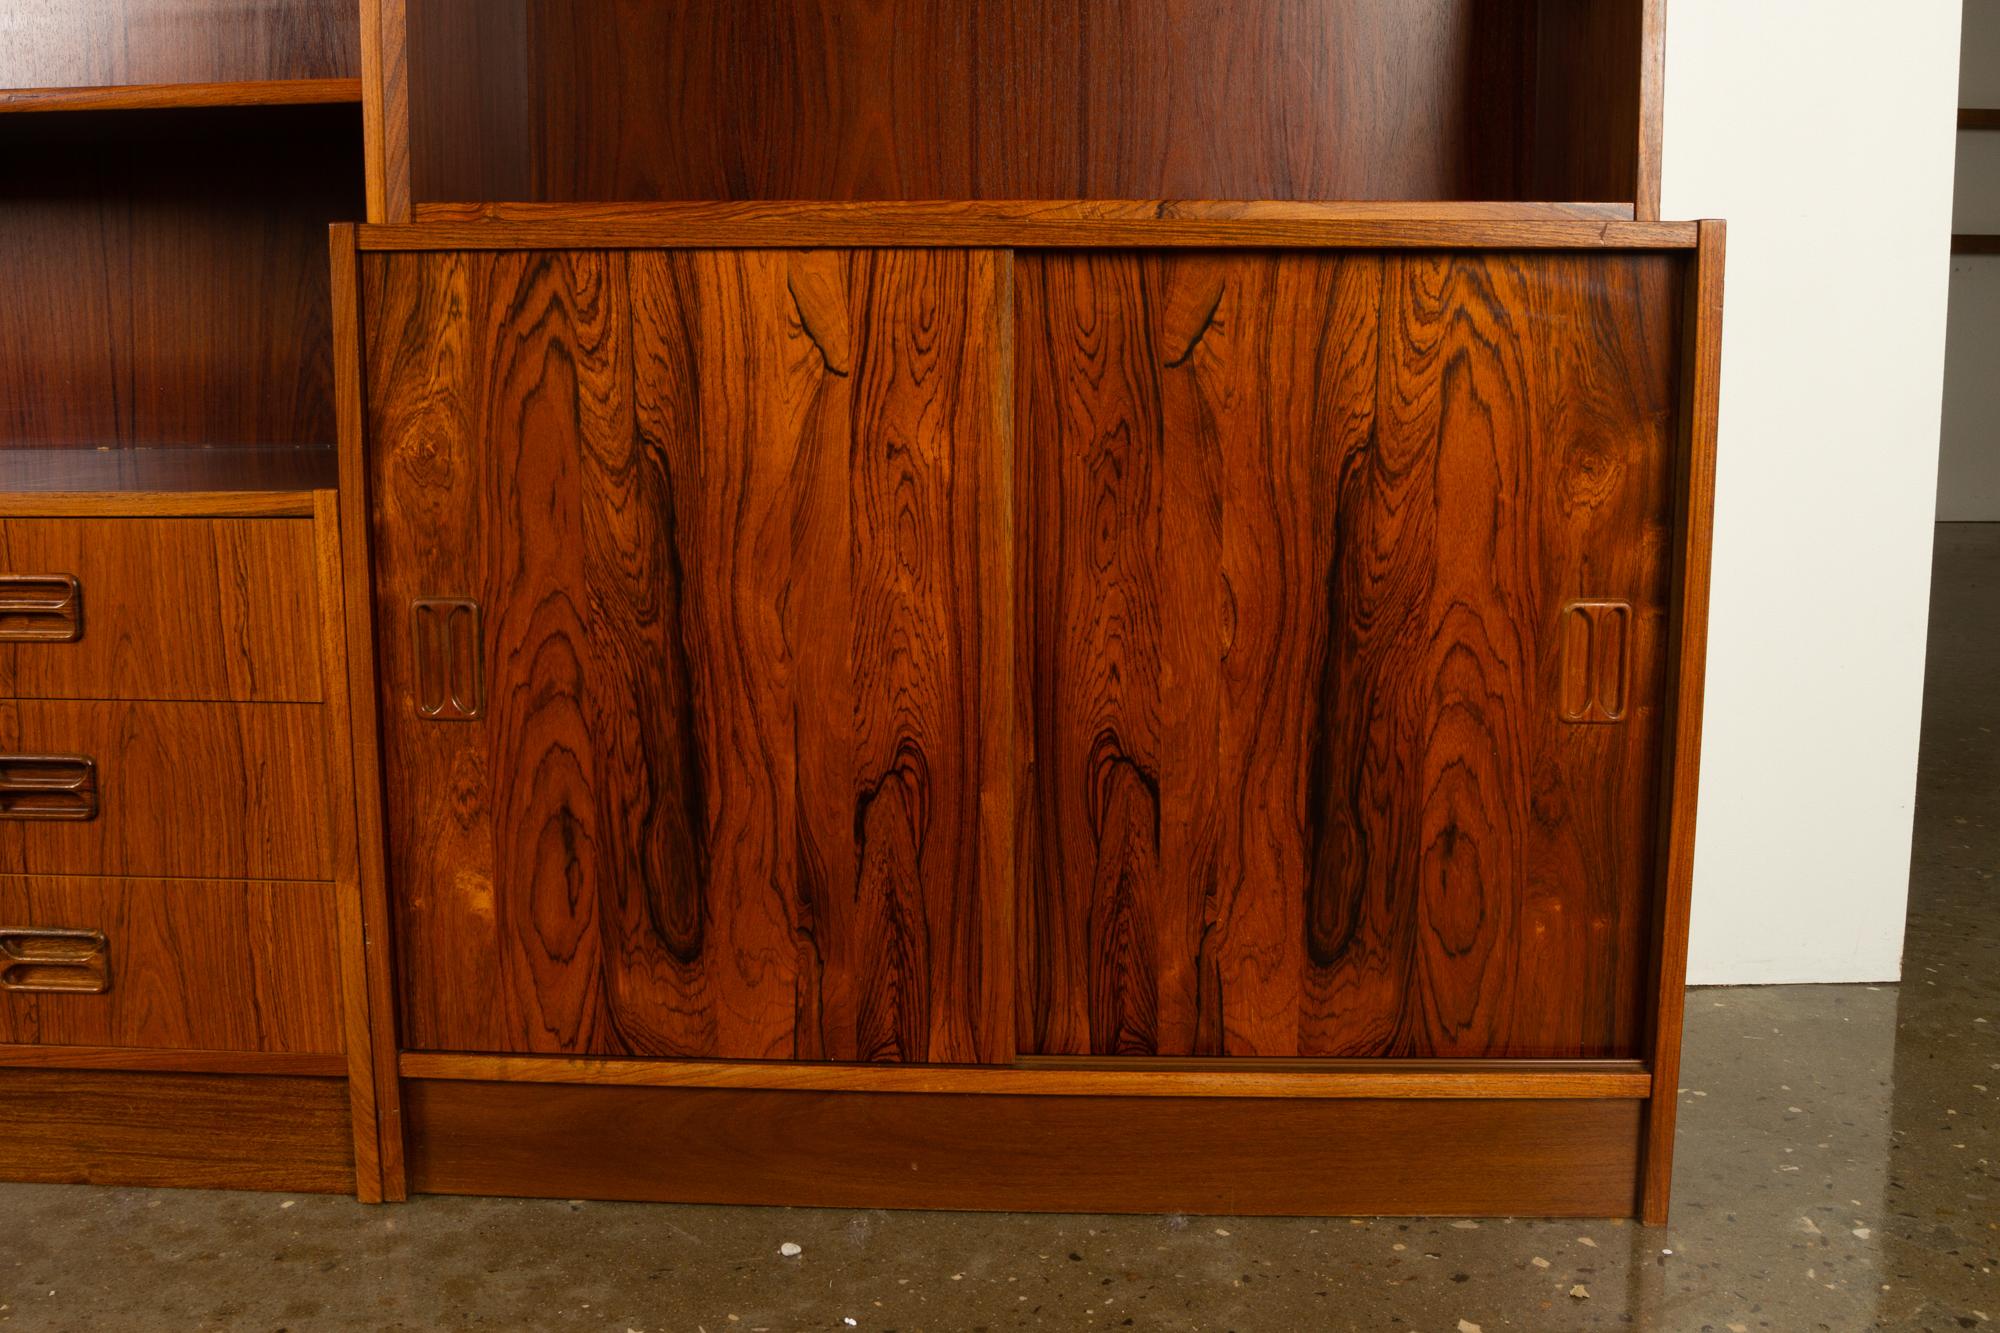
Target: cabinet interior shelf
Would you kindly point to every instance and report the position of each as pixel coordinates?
(1975, 243)
(169, 468)
(153, 96)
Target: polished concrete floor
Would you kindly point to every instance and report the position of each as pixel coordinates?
(1836, 1172)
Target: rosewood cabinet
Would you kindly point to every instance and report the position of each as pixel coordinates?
(1009, 693)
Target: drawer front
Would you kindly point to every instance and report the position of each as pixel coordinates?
(183, 964)
(229, 791)
(159, 608)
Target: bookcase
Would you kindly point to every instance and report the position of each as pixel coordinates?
(933, 603)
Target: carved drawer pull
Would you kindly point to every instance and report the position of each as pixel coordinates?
(76, 962)
(48, 786)
(40, 608)
(451, 675)
(1596, 661)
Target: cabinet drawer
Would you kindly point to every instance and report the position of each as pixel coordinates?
(186, 964)
(159, 608)
(231, 791)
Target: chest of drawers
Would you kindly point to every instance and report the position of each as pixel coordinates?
(182, 989)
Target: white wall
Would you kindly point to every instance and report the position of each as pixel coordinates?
(1822, 130)
(1969, 454)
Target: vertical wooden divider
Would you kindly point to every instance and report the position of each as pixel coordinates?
(364, 759)
(1701, 368)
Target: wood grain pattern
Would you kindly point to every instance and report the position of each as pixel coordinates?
(1024, 225)
(1300, 785)
(155, 96)
(363, 755)
(728, 517)
(1056, 1077)
(941, 99)
(1588, 69)
(189, 1131)
(1095, 1154)
(165, 481)
(1652, 109)
(172, 609)
(802, 213)
(189, 790)
(166, 271)
(467, 118)
(151, 504)
(1694, 524)
(50, 43)
(385, 109)
(579, 101)
(176, 1060)
(205, 965)
(356, 1019)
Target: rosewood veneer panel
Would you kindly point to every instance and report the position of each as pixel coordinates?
(178, 608)
(1305, 531)
(214, 790)
(727, 517)
(201, 965)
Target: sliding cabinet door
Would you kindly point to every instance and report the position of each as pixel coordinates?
(1345, 583)
(689, 567)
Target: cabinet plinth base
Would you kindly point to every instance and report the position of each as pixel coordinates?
(1567, 1157)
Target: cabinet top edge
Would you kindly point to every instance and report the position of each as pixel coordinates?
(1027, 225)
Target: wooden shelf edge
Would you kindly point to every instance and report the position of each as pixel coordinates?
(1028, 224)
(1975, 243)
(161, 96)
(1099, 210)
(1979, 118)
(165, 478)
(156, 504)
(1422, 1080)
(146, 1060)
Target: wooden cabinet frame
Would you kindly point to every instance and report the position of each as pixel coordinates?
(1618, 1157)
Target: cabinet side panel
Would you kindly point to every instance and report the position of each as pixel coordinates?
(1309, 529)
(719, 513)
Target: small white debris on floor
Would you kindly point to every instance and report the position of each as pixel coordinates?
(1811, 1227)
(1585, 1240)
(1539, 1262)
(1467, 1326)
(1465, 1224)
(791, 1250)
(1221, 1231)
(1580, 1292)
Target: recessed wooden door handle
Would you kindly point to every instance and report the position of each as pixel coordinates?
(40, 608)
(48, 786)
(52, 959)
(451, 674)
(1596, 660)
